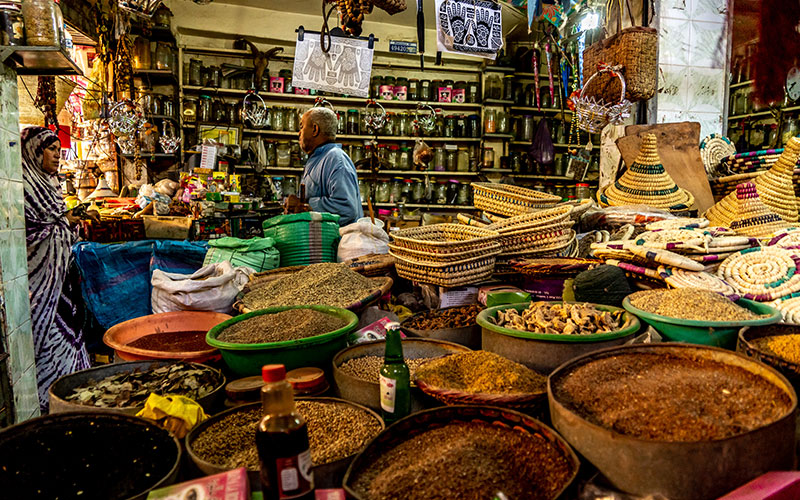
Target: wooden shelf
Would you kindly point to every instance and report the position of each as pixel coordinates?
(537, 110)
(157, 76)
(498, 69)
(34, 60)
(423, 205)
(497, 102)
(595, 148)
(145, 156)
(533, 76)
(545, 177)
(161, 117)
(421, 173)
(502, 137)
(767, 113)
(496, 171)
(741, 84)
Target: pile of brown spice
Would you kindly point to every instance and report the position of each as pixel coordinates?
(292, 324)
(667, 397)
(480, 372)
(439, 319)
(786, 347)
(191, 341)
(368, 367)
(472, 460)
(326, 284)
(691, 304)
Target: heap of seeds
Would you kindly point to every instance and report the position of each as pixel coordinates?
(466, 460)
(480, 372)
(368, 367)
(335, 431)
(438, 319)
(690, 303)
(786, 347)
(292, 324)
(326, 284)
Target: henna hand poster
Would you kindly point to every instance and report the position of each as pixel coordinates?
(345, 69)
(469, 27)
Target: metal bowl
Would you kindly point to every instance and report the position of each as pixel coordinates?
(746, 346)
(469, 336)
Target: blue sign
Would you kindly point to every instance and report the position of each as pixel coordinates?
(402, 47)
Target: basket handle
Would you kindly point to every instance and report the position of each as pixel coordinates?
(605, 68)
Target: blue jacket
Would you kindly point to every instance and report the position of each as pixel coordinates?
(332, 184)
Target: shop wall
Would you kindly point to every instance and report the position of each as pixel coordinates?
(693, 50)
(15, 318)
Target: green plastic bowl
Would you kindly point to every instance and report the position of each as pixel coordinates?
(247, 359)
(713, 333)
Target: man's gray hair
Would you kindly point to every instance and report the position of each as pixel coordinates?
(325, 119)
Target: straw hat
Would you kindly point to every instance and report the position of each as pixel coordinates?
(646, 182)
(753, 217)
(775, 188)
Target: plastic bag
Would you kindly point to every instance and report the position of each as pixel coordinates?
(614, 217)
(423, 154)
(259, 254)
(541, 149)
(362, 238)
(177, 414)
(212, 288)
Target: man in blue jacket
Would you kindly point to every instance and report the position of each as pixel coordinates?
(330, 180)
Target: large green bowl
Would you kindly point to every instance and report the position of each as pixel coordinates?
(713, 333)
(247, 359)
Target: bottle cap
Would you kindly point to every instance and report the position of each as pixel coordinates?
(273, 373)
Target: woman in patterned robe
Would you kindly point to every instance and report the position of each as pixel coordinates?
(55, 319)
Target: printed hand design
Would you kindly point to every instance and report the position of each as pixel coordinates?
(457, 14)
(483, 27)
(347, 67)
(314, 68)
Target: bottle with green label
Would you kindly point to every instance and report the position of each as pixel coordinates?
(395, 378)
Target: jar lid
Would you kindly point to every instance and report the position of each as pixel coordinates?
(277, 178)
(582, 184)
(454, 181)
(307, 379)
(394, 147)
(352, 111)
(398, 178)
(205, 97)
(408, 181)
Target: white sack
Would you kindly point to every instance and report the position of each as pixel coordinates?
(189, 292)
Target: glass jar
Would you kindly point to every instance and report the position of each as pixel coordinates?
(405, 195)
(462, 161)
(277, 186)
(772, 137)
(473, 92)
(278, 118)
(451, 162)
(439, 159)
(391, 124)
(214, 78)
(272, 154)
(219, 111)
(561, 132)
(413, 89)
(559, 190)
(449, 126)
(141, 53)
(440, 193)
(527, 128)
(148, 139)
(41, 23)
(283, 155)
(357, 153)
(560, 164)
(459, 93)
(516, 162)
(518, 94)
(189, 110)
(464, 193)
(396, 190)
(502, 122)
(292, 120)
(582, 191)
(363, 190)
(489, 121)
(401, 89)
(461, 126)
(494, 87)
(403, 124)
(164, 57)
(788, 130)
(375, 87)
(530, 96)
(417, 190)
(204, 109)
(406, 158)
(425, 90)
(473, 127)
(544, 97)
(383, 191)
(289, 185)
(488, 158)
(508, 88)
(452, 191)
(393, 157)
(286, 74)
(353, 124)
(12, 24)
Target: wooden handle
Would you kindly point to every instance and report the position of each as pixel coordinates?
(371, 211)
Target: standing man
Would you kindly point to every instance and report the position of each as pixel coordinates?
(330, 180)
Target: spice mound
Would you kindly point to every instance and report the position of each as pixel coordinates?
(666, 397)
(561, 319)
(692, 304)
(335, 430)
(172, 342)
(369, 367)
(293, 324)
(326, 284)
(466, 460)
(480, 372)
(786, 347)
(455, 317)
(131, 389)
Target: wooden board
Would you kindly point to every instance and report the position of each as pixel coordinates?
(679, 148)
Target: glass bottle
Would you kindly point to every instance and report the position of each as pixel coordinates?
(383, 191)
(488, 158)
(789, 130)
(489, 121)
(772, 138)
(272, 154)
(462, 163)
(141, 54)
(418, 191)
(164, 58)
(41, 22)
(396, 190)
(440, 194)
(284, 154)
(439, 159)
(282, 441)
(502, 122)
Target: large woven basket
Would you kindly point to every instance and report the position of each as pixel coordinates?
(459, 273)
(434, 258)
(532, 220)
(548, 238)
(445, 239)
(504, 199)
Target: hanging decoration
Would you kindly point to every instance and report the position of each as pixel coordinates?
(344, 69)
(374, 120)
(170, 140)
(260, 59)
(254, 110)
(141, 8)
(46, 100)
(469, 27)
(593, 114)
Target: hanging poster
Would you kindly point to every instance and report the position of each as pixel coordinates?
(469, 27)
(345, 69)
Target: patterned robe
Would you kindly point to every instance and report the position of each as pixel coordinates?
(58, 340)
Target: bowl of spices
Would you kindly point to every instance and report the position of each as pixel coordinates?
(698, 316)
(686, 421)
(775, 345)
(543, 335)
(452, 324)
(172, 335)
(337, 431)
(295, 336)
(463, 452)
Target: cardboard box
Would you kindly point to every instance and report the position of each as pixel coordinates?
(231, 485)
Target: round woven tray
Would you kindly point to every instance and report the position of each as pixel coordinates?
(680, 278)
(713, 149)
(678, 223)
(789, 308)
(445, 239)
(762, 273)
(789, 238)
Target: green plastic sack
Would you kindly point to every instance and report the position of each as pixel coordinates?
(256, 253)
(306, 238)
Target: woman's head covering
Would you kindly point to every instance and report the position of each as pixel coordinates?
(43, 200)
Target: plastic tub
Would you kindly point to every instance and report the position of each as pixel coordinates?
(713, 333)
(247, 359)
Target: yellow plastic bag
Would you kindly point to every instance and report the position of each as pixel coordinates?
(177, 414)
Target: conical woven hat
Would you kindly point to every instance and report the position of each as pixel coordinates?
(753, 217)
(775, 188)
(646, 182)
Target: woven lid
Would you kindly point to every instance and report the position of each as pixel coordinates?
(753, 217)
(646, 182)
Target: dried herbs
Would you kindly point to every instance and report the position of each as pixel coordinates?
(566, 319)
(480, 372)
(786, 347)
(131, 389)
(286, 325)
(318, 284)
(368, 367)
(466, 460)
(454, 317)
(705, 305)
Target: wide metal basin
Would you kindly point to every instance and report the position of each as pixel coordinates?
(367, 393)
(469, 336)
(678, 470)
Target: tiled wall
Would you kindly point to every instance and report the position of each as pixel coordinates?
(14, 304)
(693, 48)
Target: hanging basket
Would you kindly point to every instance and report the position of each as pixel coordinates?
(593, 114)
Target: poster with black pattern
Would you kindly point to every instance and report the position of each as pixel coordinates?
(345, 69)
(469, 27)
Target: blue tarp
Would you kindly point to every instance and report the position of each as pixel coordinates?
(116, 277)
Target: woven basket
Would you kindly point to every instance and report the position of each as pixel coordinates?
(679, 278)
(532, 220)
(762, 273)
(371, 265)
(509, 200)
(554, 248)
(754, 218)
(459, 273)
(433, 258)
(445, 239)
(548, 238)
(451, 397)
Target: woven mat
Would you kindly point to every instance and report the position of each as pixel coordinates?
(762, 273)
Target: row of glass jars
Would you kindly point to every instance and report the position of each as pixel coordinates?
(567, 191)
(508, 89)
(413, 89)
(208, 110)
(400, 190)
(402, 124)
